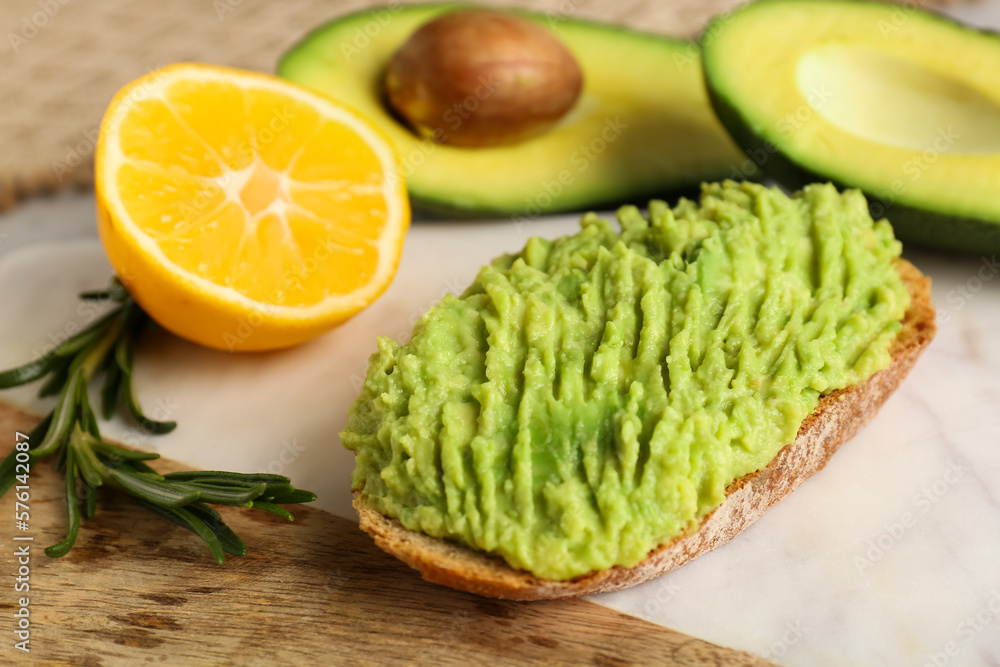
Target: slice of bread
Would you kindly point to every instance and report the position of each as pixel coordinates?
(835, 420)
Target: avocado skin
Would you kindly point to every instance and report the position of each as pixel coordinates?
(934, 230)
(940, 231)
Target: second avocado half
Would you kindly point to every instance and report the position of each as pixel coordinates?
(898, 102)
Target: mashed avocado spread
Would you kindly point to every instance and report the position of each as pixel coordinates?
(592, 397)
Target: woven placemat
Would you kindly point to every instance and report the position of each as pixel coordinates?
(64, 59)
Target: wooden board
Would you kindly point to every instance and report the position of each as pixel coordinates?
(137, 589)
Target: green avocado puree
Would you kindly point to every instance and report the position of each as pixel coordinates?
(591, 397)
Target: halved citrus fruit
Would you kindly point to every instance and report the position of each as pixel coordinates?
(242, 211)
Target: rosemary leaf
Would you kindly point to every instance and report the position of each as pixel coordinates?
(29, 372)
(293, 497)
(89, 501)
(62, 416)
(222, 495)
(218, 475)
(277, 489)
(72, 511)
(152, 491)
(7, 466)
(114, 292)
(186, 519)
(124, 358)
(113, 451)
(140, 466)
(88, 420)
(230, 541)
(109, 390)
(88, 336)
(272, 508)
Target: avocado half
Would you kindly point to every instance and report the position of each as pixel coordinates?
(901, 103)
(643, 126)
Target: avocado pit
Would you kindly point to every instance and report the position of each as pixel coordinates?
(479, 78)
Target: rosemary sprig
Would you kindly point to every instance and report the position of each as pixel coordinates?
(71, 432)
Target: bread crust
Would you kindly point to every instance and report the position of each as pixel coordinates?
(837, 417)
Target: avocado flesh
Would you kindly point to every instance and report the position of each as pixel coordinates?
(642, 127)
(898, 102)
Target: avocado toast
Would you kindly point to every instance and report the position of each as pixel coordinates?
(628, 401)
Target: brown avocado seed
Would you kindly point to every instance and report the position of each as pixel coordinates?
(480, 77)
